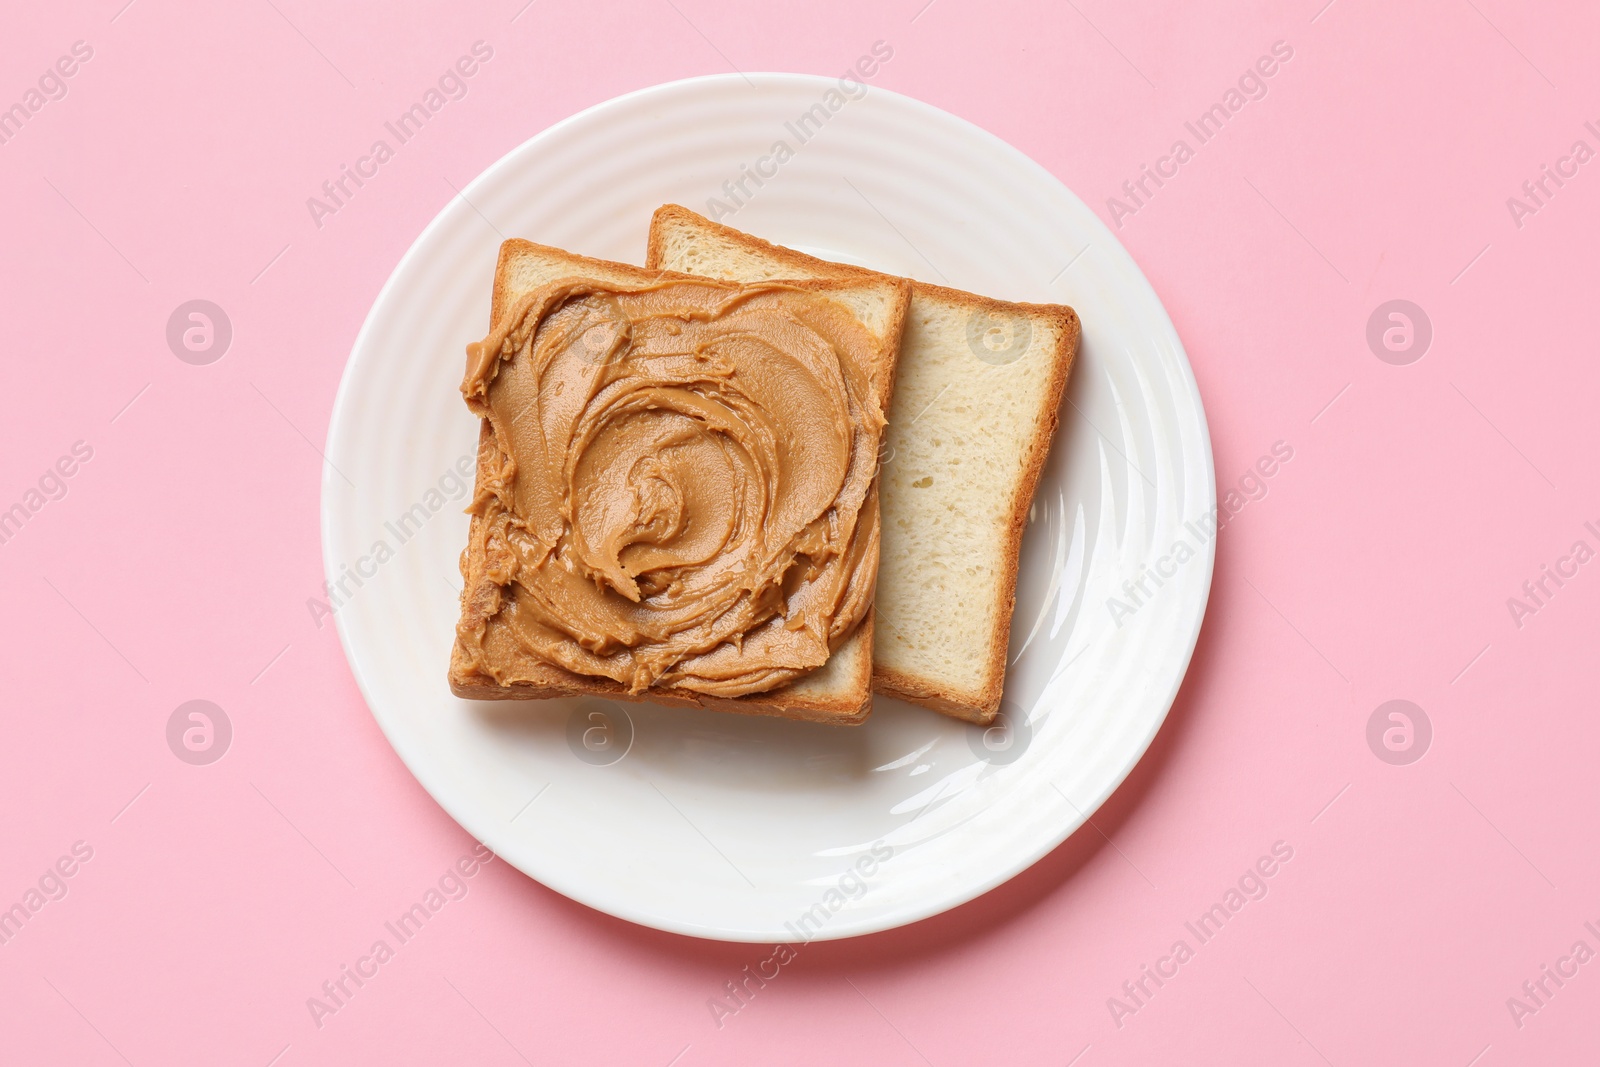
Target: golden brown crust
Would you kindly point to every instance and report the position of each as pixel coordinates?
(983, 705)
(987, 705)
(847, 702)
(782, 702)
(654, 254)
(503, 297)
(892, 683)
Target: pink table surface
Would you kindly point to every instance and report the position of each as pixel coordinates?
(1383, 562)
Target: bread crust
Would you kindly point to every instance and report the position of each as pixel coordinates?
(983, 704)
(845, 699)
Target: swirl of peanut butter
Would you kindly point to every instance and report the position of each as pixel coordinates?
(684, 494)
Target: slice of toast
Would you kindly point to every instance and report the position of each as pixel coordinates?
(837, 692)
(976, 401)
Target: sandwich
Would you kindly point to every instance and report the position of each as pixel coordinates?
(975, 405)
(677, 495)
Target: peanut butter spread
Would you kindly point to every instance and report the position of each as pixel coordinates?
(683, 491)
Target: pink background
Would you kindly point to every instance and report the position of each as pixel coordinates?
(1377, 567)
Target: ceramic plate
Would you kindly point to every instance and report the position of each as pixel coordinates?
(764, 830)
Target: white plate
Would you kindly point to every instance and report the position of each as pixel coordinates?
(762, 830)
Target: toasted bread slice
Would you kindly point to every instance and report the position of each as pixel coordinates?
(976, 402)
(840, 690)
